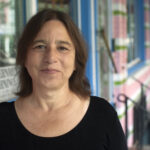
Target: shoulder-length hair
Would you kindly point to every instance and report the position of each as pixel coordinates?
(78, 82)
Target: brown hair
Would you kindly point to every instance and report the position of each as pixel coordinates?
(78, 82)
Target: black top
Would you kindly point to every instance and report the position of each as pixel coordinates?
(99, 129)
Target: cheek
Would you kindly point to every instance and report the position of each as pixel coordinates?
(28, 63)
(31, 63)
(28, 66)
(33, 59)
(72, 64)
(68, 64)
(28, 59)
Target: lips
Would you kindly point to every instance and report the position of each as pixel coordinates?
(50, 71)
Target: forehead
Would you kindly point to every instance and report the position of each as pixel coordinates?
(53, 23)
(53, 28)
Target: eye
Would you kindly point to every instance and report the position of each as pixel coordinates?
(62, 48)
(40, 47)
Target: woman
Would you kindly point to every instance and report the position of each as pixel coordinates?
(54, 109)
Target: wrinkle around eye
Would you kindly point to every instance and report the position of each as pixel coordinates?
(63, 48)
(39, 47)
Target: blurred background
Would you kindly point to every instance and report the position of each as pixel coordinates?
(118, 68)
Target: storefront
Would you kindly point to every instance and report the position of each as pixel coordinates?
(119, 67)
(11, 24)
(14, 16)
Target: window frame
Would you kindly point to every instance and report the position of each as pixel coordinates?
(139, 21)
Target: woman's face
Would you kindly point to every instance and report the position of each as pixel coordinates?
(51, 57)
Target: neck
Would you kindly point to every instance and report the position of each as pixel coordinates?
(51, 99)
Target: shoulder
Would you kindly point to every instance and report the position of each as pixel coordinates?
(108, 122)
(102, 108)
(6, 112)
(103, 112)
(4, 106)
(99, 100)
(5, 120)
(102, 104)
(5, 109)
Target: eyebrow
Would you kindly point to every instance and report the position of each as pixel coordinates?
(57, 42)
(64, 42)
(40, 41)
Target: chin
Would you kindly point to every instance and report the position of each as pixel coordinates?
(52, 85)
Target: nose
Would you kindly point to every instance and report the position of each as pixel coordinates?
(50, 55)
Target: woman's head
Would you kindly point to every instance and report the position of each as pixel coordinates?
(77, 82)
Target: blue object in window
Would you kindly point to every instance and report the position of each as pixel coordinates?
(139, 33)
(12, 100)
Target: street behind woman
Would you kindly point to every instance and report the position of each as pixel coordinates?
(55, 109)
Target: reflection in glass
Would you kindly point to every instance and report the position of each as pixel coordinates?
(104, 58)
(131, 37)
(7, 32)
(62, 5)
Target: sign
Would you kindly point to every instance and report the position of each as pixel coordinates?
(8, 83)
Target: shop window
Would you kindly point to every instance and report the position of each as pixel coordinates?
(62, 5)
(104, 66)
(67, 6)
(135, 30)
(9, 31)
(132, 51)
(11, 26)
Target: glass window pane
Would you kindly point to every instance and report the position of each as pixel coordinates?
(132, 51)
(7, 32)
(11, 25)
(104, 58)
(62, 5)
